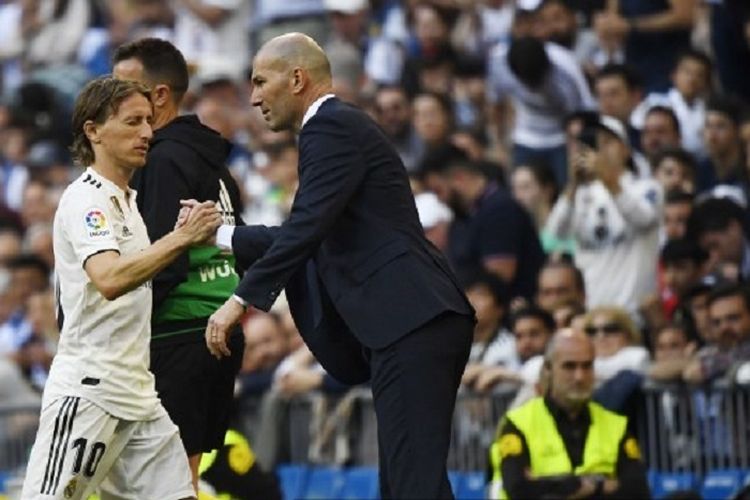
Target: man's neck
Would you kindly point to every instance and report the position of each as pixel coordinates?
(119, 175)
(308, 101)
(163, 117)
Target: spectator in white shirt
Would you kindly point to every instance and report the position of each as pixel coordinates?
(613, 216)
(545, 84)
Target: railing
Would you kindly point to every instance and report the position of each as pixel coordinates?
(681, 429)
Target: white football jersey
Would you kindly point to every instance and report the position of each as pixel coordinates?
(103, 354)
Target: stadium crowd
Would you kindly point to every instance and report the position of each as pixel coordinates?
(583, 164)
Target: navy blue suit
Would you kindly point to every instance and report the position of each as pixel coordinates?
(372, 298)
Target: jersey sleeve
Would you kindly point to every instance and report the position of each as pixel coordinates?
(88, 225)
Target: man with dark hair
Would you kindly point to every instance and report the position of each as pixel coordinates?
(187, 160)
(675, 169)
(719, 227)
(102, 424)
(491, 230)
(393, 114)
(618, 89)
(678, 205)
(559, 283)
(661, 130)
(729, 314)
(725, 163)
(545, 84)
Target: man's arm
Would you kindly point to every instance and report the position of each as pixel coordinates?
(114, 275)
(631, 473)
(516, 470)
(331, 170)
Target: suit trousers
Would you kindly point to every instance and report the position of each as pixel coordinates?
(414, 385)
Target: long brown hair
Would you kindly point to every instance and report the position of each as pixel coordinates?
(99, 99)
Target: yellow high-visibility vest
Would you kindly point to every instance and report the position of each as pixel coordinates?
(547, 451)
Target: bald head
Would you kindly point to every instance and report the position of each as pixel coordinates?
(570, 361)
(289, 73)
(297, 50)
(568, 339)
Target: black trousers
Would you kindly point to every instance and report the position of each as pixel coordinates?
(414, 385)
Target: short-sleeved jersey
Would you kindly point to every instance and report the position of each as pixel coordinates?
(103, 354)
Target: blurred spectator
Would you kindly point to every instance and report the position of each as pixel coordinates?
(27, 274)
(469, 91)
(661, 130)
(617, 342)
(393, 114)
(432, 116)
(493, 344)
(652, 32)
(273, 18)
(678, 205)
(614, 218)
(725, 163)
(212, 34)
(682, 265)
(13, 172)
(672, 352)
(532, 328)
(37, 206)
(53, 30)
(10, 245)
(48, 164)
(491, 231)
(430, 57)
(719, 227)
(545, 84)
(557, 21)
(560, 283)
(691, 80)
(265, 347)
(619, 92)
(729, 313)
(730, 41)
(535, 187)
(675, 169)
(38, 241)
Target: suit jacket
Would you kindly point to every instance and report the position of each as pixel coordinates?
(352, 255)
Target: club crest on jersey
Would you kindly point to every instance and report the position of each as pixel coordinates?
(70, 488)
(97, 224)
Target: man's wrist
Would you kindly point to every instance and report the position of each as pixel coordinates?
(240, 300)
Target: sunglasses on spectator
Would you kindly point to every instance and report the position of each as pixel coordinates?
(607, 329)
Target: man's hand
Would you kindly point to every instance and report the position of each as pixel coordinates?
(200, 222)
(220, 324)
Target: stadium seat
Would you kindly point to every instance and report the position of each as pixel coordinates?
(360, 483)
(324, 483)
(472, 486)
(663, 483)
(293, 480)
(455, 479)
(720, 484)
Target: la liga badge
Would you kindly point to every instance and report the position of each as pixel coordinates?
(97, 224)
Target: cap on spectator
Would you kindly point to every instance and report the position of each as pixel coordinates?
(431, 210)
(681, 250)
(614, 127)
(346, 6)
(706, 284)
(528, 5)
(44, 154)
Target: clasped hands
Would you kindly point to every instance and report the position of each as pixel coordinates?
(221, 322)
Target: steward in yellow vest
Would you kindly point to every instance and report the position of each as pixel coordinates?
(564, 445)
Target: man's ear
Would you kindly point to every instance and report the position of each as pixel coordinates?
(92, 132)
(160, 95)
(299, 78)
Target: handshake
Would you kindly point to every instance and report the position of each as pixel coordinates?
(198, 222)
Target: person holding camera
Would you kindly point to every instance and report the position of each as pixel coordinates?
(612, 214)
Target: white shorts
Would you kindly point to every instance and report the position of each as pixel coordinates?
(80, 449)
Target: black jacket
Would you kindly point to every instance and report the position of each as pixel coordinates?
(352, 255)
(186, 160)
